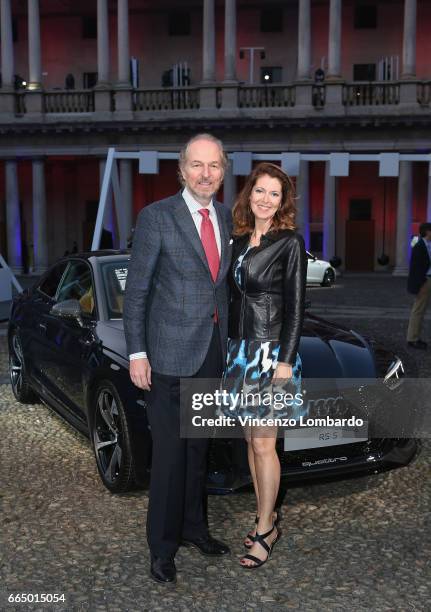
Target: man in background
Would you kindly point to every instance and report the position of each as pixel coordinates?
(419, 284)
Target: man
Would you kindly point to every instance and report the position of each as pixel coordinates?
(419, 283)
(175, 321)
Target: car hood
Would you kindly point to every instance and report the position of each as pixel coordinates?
(327, 350)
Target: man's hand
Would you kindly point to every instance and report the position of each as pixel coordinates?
(140, 373)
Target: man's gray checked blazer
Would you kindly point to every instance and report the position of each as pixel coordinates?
(170, 296)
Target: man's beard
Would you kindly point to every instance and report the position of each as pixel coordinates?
(207, 195)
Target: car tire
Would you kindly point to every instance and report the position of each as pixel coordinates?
(110, 438)
(328, 278)
(18, 379)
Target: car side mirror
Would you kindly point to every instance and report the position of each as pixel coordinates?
(68, 309)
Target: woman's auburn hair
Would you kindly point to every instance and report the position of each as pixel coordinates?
(284, 218)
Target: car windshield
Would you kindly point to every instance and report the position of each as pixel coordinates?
(114, 275)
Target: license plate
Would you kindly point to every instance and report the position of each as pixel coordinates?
(318, 437)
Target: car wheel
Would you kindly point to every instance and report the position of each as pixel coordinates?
(111, 439)
(328, 278)
(20, 387)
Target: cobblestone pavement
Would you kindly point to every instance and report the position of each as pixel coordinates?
(360, 544)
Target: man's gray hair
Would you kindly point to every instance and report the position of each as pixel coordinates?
(203, 136)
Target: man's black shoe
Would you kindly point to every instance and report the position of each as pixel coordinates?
(163, 570)
(208, 546)
(418, 344)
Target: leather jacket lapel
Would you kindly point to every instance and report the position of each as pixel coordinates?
(224, 243)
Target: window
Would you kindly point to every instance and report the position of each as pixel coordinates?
(89, 27)
(179, 23)
(271, 74)
(14, 29)
(316, 242)
(91, 210)
(365, 16)
(114, 276)
(364, 72)
(89, 80)
(50, 282)
(271, 19)
(77, 285)
(360, 210)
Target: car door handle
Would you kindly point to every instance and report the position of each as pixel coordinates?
(42, 326)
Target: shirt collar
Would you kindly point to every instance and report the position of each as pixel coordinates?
(194, 206)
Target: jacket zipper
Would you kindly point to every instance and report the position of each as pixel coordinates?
(241, 318)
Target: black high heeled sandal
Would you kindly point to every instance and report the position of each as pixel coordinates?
(250, 536)
(256, 520)
(260, 538)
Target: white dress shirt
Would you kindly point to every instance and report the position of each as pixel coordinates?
(194, 208)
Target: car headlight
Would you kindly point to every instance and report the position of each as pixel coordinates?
(395, 370)
(395, 374)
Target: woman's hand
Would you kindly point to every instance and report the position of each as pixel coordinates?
(283, 371)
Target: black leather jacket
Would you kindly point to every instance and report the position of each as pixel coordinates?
(271, 304)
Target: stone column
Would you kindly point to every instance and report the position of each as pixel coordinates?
(329, 215)
(13, 217)
(109, 217)
(303, 203)
(334, 46)
(102, 94)
(7, 59)
(126, 186)
(7, 99)
(409, 40)
(404, 219)
(230, 40)
(102, 43)
(229, 187)
(208, 52)
(34, 57)
(208, 100)
(123, 94)
(40, 234)
(123, 44)
(229, 95)
(304, 40)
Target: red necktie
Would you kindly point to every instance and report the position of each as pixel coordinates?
(209, 243)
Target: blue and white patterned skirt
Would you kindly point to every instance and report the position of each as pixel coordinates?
(249, 370)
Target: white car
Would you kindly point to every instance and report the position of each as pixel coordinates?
(319, 271)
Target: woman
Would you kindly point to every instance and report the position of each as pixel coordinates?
(267, 278)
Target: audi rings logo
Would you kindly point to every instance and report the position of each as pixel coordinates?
(328, 406)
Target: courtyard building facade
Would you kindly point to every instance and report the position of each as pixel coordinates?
(337, 92)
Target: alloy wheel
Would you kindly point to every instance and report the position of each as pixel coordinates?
(329, 278)
(16, 366)
(107, 436)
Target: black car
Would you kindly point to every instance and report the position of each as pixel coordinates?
(67, 348)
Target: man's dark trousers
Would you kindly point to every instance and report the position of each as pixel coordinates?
(179, 465)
